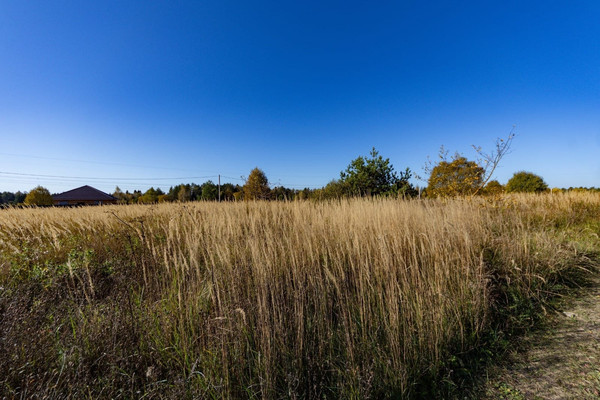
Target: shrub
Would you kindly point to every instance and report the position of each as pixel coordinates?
(526, 182)
(39, 196)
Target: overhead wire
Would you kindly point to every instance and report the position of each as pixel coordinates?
(104, 178)
(113, 180)
(142, 181)
(92, 162)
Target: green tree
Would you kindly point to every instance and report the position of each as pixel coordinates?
(456, 177)
(374, 176)
(150, 196)
(528, 182)
(256, 186)
(282, 193)
(7, 198)
(228, 190)
(334, 190)
(119, 195)
(304, 194)
(209, 191)
(195, 191)
(19, 197)
(133, 198)
(39, 196)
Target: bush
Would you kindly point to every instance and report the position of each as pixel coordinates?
(39, 196)
(458, 177)
(526, 182)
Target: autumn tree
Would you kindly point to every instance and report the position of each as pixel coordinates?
(256, 186)
(184, 193)
(238, 196)
(39, 196)
(493, 187)
(459, 176)
(372, 176)
(526, 182)
(455, 177)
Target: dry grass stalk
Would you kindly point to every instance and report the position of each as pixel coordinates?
(357, 298)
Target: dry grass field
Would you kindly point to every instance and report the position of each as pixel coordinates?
(346, 299)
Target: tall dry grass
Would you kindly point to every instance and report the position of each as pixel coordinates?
(352, 299)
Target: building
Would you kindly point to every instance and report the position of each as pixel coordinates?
(85, 195)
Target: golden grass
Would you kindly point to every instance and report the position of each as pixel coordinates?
(354, 298)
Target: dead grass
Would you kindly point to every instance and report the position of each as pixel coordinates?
(350, 299)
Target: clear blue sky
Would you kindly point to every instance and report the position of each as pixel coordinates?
(133, 93)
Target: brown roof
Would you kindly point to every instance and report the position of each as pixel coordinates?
(84, 193)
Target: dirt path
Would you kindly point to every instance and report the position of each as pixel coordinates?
(562, 362)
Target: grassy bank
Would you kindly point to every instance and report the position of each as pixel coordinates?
(350, 299)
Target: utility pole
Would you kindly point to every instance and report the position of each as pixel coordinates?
(219, 188)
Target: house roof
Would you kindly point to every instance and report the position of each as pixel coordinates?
(83, 193)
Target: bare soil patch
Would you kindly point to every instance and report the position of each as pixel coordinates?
(561, 362)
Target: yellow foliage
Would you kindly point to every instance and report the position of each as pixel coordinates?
(257, 186)
(39, 196)
(459, 177)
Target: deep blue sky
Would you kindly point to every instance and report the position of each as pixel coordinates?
(153, 89)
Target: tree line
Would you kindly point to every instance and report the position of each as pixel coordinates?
(365, 176)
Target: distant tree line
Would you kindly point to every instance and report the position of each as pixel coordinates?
(208, 191)
(365, 176)
(12, 198)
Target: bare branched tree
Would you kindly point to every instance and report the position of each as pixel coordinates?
(487, 161)
(490, 161)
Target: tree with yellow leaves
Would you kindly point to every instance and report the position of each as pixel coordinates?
(461, 177)
(257, 186)
(39, 196)
(456, 177)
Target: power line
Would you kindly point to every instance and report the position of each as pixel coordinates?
(289, 185)
(65, 179)
(231, 177)
(92, 162)
(98, 178)
(125, 180)
(56, 181)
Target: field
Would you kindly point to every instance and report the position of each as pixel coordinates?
(345, 299)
